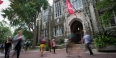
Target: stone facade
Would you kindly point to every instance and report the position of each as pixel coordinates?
(59, 23)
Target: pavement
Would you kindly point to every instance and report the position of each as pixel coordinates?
(1, 54)
(60, 53)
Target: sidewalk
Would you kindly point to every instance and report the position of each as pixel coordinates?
(60, 53)
(1, 54)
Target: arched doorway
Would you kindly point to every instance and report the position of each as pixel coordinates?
(77, 28)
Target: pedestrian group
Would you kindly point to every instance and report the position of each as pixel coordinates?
(18, 43)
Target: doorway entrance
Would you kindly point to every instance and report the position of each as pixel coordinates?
(77, 29)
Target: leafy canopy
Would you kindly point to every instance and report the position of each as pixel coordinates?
(24, 11)
(4, 31)
(107, 8)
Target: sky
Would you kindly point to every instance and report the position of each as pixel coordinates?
(6, 4)
(3, 6)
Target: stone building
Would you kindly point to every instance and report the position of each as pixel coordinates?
(55, 22)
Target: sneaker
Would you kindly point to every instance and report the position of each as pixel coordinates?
(91, 54)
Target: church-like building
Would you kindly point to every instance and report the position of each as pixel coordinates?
(55, 22)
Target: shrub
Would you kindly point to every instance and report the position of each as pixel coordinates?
(103, 39)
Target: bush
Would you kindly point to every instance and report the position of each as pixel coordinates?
(103, 39)
(61, 41)
(47, 47)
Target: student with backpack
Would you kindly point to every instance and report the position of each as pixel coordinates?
(87, 39)
(42, 45)
(27, 44)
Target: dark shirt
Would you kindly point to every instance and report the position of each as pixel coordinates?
(75, 38)
(18, 46)
(7, 45)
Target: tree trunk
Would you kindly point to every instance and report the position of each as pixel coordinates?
(34, 37)
(34, 32)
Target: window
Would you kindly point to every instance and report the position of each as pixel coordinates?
(45, 33)
(58, 30)
(45, 15)
(57, 9)
(54, 30)
(77, 4)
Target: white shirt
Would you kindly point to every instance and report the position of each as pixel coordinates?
(86, 38)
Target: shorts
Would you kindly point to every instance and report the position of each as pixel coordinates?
(71, 45)
(42, 45)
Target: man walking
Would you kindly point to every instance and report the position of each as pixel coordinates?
(18, 42)
(87, 39)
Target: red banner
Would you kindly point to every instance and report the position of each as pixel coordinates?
(70, 8)
(1, 1)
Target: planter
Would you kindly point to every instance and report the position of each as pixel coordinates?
(110, 48)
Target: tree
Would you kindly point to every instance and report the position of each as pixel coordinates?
(107, 9)
(25, 12)
(4, 31)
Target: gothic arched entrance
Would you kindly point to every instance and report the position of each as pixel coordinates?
(77, 28)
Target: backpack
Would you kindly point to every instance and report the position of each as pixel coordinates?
(2, 46)
(91, 39)
(43, 41)
(27, 43)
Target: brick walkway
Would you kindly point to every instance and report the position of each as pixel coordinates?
(62, 54)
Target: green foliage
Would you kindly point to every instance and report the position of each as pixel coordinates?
(103, 39)
(4, 31)
(24, 13)
(106, 7)
(47, 47)
(61, 41)
(105, 18)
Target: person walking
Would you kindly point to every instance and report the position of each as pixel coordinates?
(42, 45)
(71, 44)
(18, 43)
(2, 47)
(8, 45)
(66, 40)
(87, 39)
(27, 44)
(53, 45)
